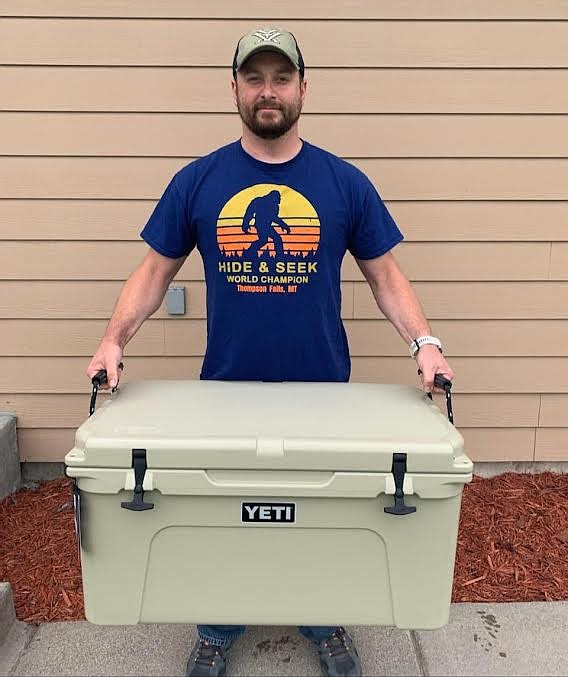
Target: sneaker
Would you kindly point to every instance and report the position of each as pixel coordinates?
(338, 655)
(206, 660)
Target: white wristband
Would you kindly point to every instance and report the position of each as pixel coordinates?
(417, 343)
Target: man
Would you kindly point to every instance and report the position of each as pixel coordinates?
(273, 298)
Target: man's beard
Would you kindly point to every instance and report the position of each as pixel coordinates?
(278, 123)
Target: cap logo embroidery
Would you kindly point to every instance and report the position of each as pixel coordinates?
(267, 36)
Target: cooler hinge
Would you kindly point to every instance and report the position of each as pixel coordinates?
(77, 514)
(399, 471)
(140, 467)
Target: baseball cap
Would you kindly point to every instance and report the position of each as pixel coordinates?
(268, 39)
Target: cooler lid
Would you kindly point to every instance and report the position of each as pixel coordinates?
(254, 425)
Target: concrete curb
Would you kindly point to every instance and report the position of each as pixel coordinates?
(7, 611)
(10, 477)
(37, 471)
(14, 635)
(494, 468)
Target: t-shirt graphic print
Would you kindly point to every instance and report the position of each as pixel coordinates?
(268, 236)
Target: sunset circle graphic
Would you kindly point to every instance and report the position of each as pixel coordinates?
(268, 220)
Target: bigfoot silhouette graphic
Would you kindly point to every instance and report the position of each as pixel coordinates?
(265, 209)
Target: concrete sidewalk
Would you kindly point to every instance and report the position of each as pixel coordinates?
(480, 639)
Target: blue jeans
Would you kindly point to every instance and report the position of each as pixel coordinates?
(225, 635)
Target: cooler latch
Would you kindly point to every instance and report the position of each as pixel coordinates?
(140, 467)
(399, 471)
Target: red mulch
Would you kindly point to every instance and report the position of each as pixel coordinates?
(512, 545)
(513, 540)
(38, 553)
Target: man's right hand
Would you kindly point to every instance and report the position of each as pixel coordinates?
(108, 356)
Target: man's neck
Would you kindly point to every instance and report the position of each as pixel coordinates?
(274, 151)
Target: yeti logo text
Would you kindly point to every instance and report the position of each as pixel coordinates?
(268, 512)
(267, 36)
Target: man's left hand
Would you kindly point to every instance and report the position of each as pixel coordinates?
(430, 362)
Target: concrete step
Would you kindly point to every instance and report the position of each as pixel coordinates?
(80, 648)
(499, 639)
(480, 639)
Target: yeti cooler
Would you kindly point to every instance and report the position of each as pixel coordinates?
(268, 503)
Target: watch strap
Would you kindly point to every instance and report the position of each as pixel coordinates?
(417, 343)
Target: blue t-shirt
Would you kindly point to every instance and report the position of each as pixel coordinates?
(272, 238)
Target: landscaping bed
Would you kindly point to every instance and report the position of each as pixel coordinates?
(512, 545)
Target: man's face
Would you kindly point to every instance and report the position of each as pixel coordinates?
(269, 94)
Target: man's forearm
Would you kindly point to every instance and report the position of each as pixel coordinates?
(398, 302)
(140, 297)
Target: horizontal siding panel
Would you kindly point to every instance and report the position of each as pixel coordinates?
(464, 338)
(559, 260)
(422, 221)
(81, 261)
(185, 340)
(82, 300)
(367, 338)
(492, 221)
(474, 375)
(324, 43)
(86, 178)
(49, 411)
(551, 444)
(360, 136)
(74, 219)
(69, 411)
(76, 337)
(67, 374)
(206, 90)
(396, 179)
(466, 261)
(554, 411)
(420, 260)
(315, 9)
(478, 300)
(493, 411)
(499, 444)
(492, 444)
(441, 301)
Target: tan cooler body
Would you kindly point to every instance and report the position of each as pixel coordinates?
(264, 503)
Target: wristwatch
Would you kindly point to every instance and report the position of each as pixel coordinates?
(417, 343)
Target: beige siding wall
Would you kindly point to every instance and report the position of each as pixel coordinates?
(456, 110)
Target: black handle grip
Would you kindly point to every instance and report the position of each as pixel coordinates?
(99, 378)
(446, 385)
(97, 381)
(440, 381)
